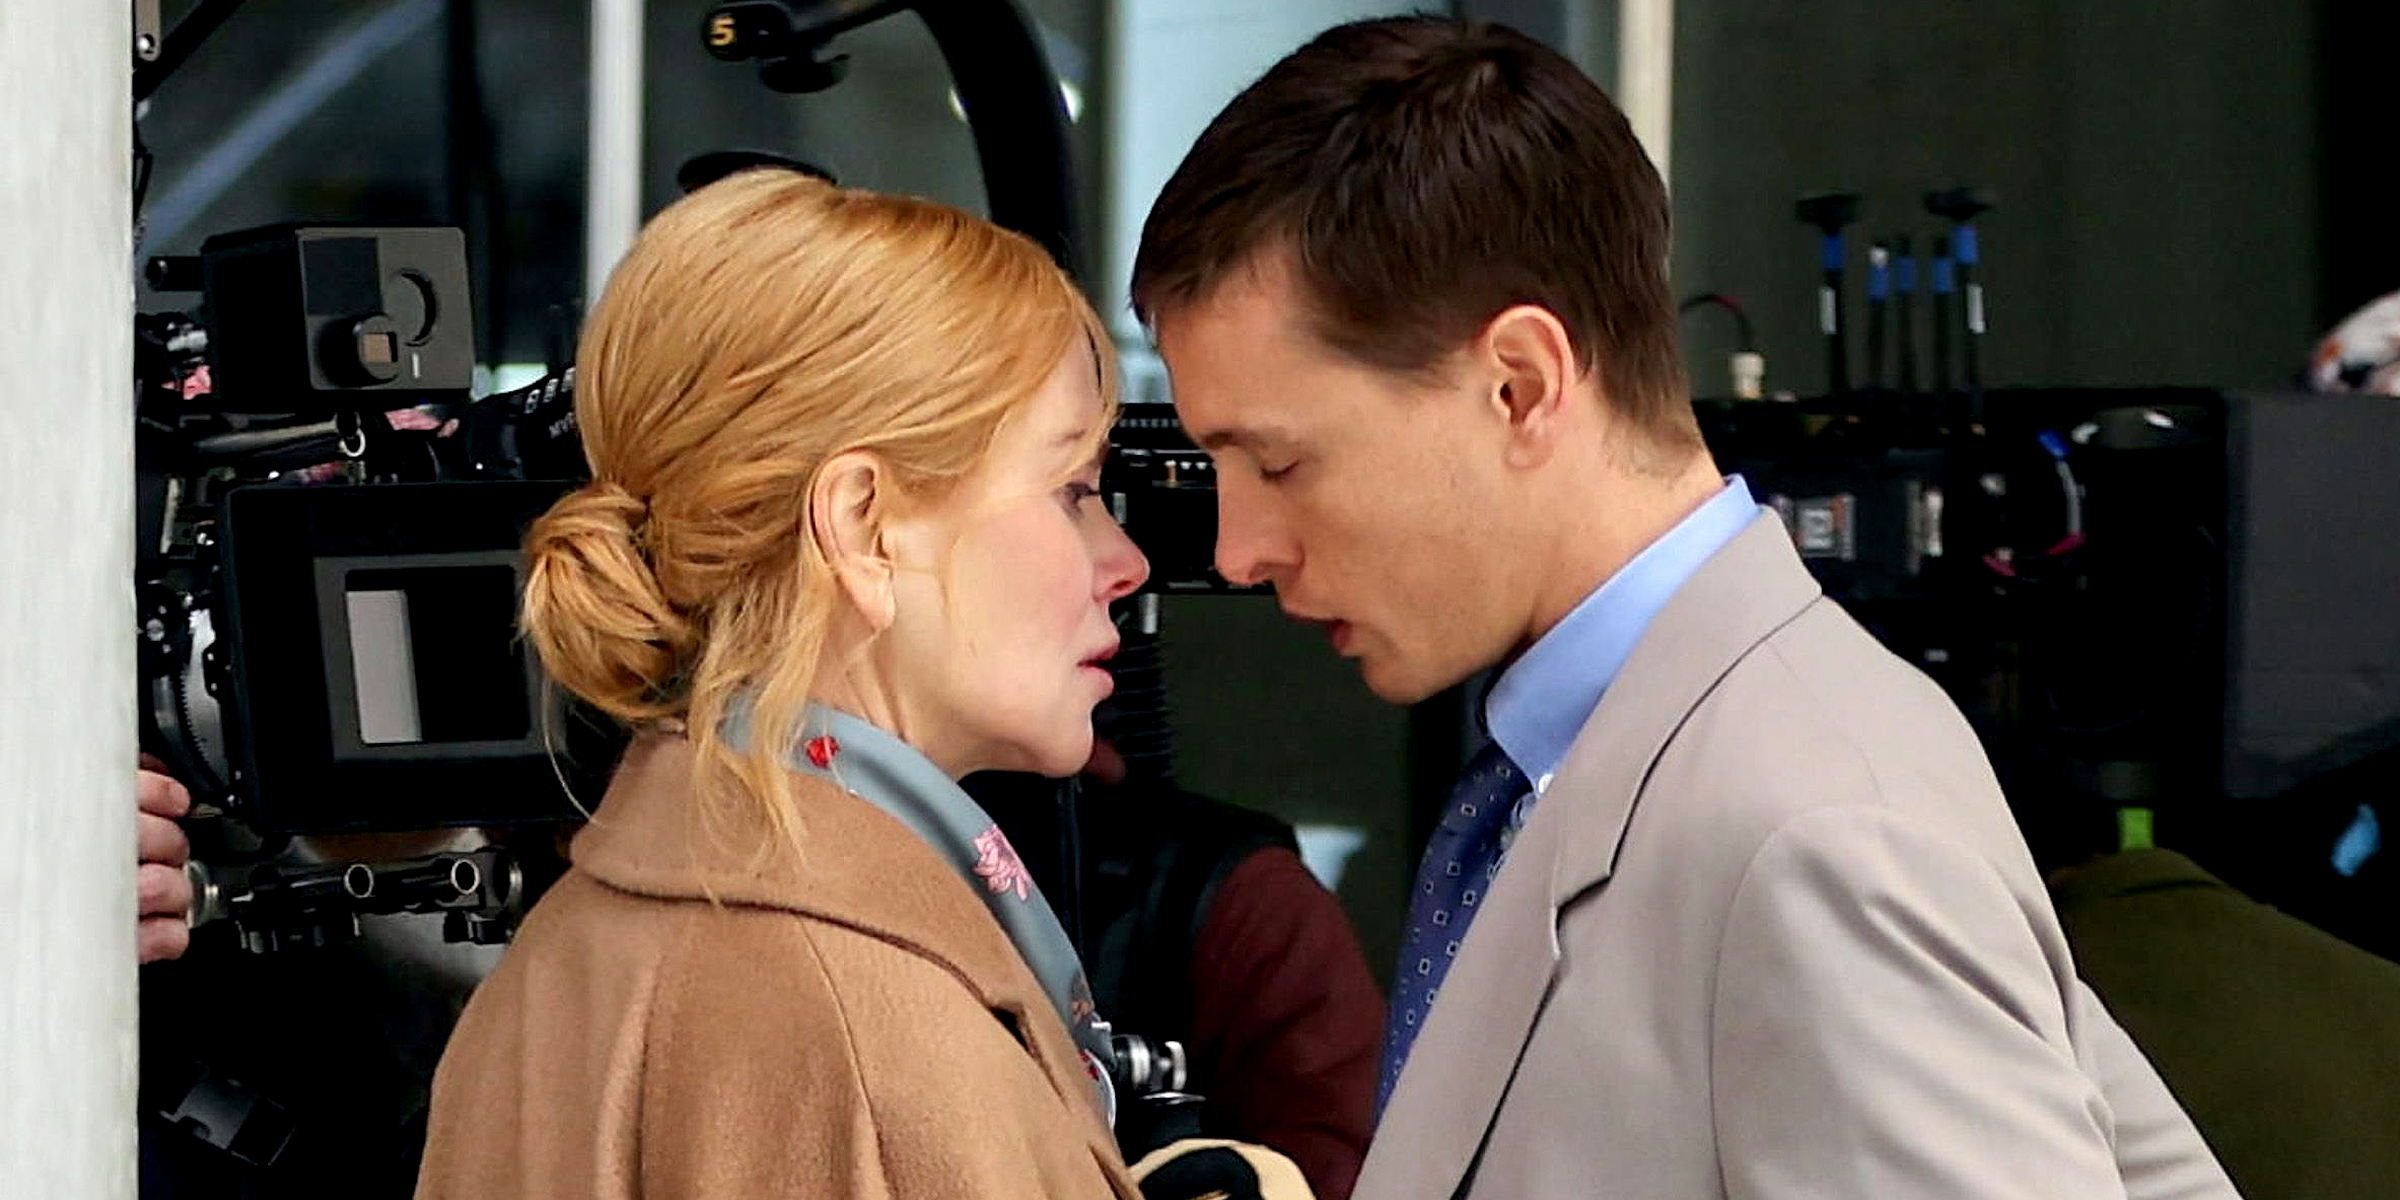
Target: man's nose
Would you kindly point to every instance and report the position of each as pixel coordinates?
(1252, 543)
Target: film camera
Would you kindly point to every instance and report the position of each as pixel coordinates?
(329, 576)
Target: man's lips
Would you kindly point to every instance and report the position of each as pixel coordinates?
(1337, 631)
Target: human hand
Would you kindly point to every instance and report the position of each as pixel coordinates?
(166, 893)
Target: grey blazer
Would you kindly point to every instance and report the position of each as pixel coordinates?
(1770, 932)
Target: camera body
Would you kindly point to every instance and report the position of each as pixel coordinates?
(331, 554)
(1163, 490)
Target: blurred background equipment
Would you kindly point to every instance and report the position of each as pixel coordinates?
(2362, 354)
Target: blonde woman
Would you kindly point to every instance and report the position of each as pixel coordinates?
(840, 548)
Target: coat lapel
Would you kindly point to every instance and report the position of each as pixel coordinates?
(1464, 1060)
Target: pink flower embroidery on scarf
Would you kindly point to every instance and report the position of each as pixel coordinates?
(997, 862)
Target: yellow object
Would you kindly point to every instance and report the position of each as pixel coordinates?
(1278, 1177)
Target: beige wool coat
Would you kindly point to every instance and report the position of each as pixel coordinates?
(844, 1019)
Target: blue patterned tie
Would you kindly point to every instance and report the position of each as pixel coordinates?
(1460, 861)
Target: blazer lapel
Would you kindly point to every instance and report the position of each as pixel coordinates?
(1736, 600)
(1462, 1064)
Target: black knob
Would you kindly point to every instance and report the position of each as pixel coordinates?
(363, 352)
(1829, 211)
(1958, 204)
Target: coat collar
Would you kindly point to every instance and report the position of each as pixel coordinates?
(1463, 1062)
(2128, 872)
(850, 865)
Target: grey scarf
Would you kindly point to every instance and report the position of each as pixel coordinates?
(892, 775)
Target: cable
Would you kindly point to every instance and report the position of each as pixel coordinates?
(2057, 448)
(1747, 366)
(1741, 317)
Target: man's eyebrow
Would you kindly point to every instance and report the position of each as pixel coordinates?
(1240, 439)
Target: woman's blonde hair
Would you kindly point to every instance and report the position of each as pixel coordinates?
(758, 328)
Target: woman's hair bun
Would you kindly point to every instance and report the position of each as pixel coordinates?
(594, 609)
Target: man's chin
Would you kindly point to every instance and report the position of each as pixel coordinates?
(1393, 684)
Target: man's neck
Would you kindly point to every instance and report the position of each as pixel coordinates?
(1621, 513)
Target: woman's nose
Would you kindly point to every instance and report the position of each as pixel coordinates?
(1120, 565)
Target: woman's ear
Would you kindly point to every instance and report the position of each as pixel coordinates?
(848, 505)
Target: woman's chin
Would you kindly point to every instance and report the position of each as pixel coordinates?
(1059, 758)
(1070, 755)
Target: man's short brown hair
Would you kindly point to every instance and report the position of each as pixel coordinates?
(1423, 175)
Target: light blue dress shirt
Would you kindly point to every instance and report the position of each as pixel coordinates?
(1544, 698)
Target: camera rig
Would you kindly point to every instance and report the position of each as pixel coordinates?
(329, 575)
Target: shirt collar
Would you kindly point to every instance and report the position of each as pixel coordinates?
(1544, 698)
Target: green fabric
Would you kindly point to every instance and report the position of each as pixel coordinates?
(2282, 1042)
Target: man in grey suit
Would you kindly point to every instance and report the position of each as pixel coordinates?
(1731, 904)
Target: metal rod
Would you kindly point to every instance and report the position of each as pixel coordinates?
(1646, 75)
(1018, 119)
(186, 37)
(1945, 281)
(471, 176)
(1905, 282)
(1829, 213)
(1879, 292)
(1971, 292)
(612, 197)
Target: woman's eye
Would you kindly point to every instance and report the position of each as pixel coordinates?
(1077, 492)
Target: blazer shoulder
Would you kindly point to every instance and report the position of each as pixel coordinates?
(1819, 715)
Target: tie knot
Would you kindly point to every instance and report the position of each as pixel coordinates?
(1490, 785)
(1492, 762)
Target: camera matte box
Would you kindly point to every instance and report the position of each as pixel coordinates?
(293, 309)
(377, 682)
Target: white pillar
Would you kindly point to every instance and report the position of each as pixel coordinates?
(612, 198)
(1646, 74)
(1174, 64)
(67, 1014)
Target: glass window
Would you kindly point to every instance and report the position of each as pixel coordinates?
(403, 111)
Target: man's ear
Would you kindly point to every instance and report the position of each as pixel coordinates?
(848, 505)
(1529, 363)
